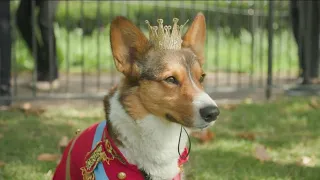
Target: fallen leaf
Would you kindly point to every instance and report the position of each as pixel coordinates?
(248, 101)
(29, 110)
(314, 103)
(63, 143)
(315, 81)
(230, 107)
(35, 111)
(306, 161)
(1, 135)
(247, 135)
(26, 106)
(261, 153)
(2, 164)
(4, 108)
(204, 136)
(48, 157)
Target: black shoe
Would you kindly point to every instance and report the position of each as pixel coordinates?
(5, 96)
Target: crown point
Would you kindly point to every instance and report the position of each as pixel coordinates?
(162, 37)
(148, 23)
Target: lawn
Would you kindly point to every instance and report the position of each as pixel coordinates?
(287, 128)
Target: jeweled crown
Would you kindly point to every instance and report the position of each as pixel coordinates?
(162, 37)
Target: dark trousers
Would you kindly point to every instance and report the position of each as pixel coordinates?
(45, 50)
(305, 23)
(5, 44)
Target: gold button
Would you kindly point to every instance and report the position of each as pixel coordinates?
(122, 175)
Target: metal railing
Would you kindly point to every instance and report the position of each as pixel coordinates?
(249, 45)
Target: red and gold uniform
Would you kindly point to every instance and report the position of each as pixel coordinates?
(92, 155)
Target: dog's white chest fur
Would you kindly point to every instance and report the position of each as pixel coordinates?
(150, 143)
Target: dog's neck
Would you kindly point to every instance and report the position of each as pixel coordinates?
(151, 143)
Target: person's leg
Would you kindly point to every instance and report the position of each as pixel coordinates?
(48, 71)
(304, 38)
(295, 28)
(314, 61)
(309, 34)
(5, 53)
(24, 25)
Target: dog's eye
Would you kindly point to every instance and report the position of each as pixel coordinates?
(172, 80)
(202, 77)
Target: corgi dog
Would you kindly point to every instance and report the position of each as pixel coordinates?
(160, 94)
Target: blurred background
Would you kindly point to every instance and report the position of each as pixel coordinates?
(238, 50)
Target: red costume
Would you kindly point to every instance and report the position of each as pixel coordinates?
(92, 155)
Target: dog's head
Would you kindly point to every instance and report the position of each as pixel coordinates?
(165, 83)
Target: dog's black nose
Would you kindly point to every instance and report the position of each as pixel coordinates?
(209, 113)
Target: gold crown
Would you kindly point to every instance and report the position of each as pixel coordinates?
(161, 37)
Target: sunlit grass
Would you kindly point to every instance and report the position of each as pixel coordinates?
(288, 128)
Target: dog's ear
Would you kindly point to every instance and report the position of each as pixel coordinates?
(195, 37)
(128, 44)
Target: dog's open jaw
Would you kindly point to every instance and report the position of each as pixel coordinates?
(161, 90)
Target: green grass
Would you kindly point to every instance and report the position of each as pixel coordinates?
(223, 52)
(289, 128)
(231, 47)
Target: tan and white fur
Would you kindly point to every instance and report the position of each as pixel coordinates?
(161, 91)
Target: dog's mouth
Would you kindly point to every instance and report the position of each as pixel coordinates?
(203, 126)
(169, 117)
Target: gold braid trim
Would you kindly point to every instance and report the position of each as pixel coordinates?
(96, 156)
(87, 176)
(68, 176)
